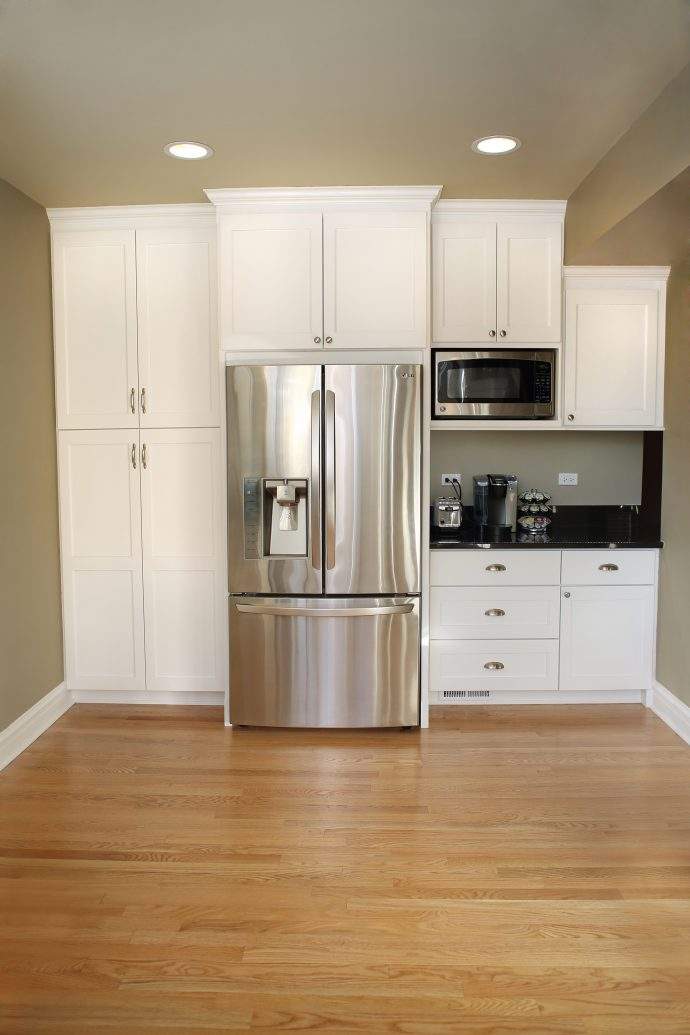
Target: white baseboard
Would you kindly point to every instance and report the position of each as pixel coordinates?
(541, 697)
(29, 726)
(207, 697)
(670, 709)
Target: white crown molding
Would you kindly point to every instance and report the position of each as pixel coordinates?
(29, 726)
(643, 272)
(234, 198)
(131, 217)
(670, 709)
(499, 206)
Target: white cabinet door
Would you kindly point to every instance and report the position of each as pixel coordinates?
(100, 530)
(182, 530)
(528, 281)
(606, 637)
(611, 351)
(464, 281)
(270, 280)
(178, 346)
(94, 292)
(375, 280)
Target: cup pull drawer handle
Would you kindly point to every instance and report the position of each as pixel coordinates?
(495, 612)
(608, 567)
(494, 666)
(495, 567)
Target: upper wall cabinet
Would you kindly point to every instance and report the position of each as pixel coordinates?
(496, 272)
(324, 267)
(135, 314)
(614, 346)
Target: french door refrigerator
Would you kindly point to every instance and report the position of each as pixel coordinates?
(324, 509)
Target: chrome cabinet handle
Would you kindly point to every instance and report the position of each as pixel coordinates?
(134, 455)
(495, 567)
(132, 400)
(330, 479)
(495, 612)
(494, 666)
(143, 456)
(329, 341)
(608, 567)
(315, 495)
(492, 334)
(143, 400)
(503, 333)
(571, 416)
(317, 341)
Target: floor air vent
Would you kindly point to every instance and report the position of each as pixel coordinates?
(467, 693)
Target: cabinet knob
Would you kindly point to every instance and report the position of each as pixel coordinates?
(317, 341)
(571, 416)
(503, 333)
(329, 341)
(442, 409)
(495, 567)
(492, 334)
(494, 666)
(567, 595)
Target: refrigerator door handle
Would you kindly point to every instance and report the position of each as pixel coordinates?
(324, 612)
(330, 479)
(315, 495)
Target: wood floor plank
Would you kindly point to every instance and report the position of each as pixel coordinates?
(510, 870)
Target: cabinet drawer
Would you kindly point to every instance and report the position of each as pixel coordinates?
(525, 665)
(479, 613)
(495, 567)
(609, 567)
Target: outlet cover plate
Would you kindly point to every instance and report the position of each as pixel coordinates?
(447, 479)
(565, 478)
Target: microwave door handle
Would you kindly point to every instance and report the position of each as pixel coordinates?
(330, 479)
(315, 494)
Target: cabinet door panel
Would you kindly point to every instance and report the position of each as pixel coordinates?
(178, 347)
(528, 281)
(606, 638)
(270, 277)
(94, 291)
(184, 598)
(375, 279)
(100, 529)
(464, 281)
(611, 357)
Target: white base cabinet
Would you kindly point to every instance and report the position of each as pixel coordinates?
(142, 547)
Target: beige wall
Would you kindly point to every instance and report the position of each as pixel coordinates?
(609, 463)
(30, 621)
(673, 661)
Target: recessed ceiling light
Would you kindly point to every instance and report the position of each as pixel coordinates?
(498, 145)
(188, 149)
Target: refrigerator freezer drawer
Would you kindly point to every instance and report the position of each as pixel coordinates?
(324, 661)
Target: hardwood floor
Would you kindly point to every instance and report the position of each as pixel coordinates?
(509, 870)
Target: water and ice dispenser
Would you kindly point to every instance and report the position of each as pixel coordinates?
(275, 517)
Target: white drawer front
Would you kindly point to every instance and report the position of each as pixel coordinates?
(609, 567)
(525, 567)
(462, 665)
(477, 613)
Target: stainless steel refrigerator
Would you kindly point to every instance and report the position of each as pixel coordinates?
(324, 511)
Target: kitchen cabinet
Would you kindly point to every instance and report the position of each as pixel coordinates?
(341, 268)
(607, 637)
(135, 318)
(141, 544)
(614, 347)
(95, 328)
(497, 274)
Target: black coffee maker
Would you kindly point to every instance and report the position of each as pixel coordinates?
(495, 501)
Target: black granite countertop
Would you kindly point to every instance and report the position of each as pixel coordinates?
(571, 528)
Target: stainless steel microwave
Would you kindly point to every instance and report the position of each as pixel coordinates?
(494, 384)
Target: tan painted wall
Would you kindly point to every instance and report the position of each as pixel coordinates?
(609, 463)
(673, 661)
(30, 619)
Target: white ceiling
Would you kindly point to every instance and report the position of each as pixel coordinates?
(300, 92)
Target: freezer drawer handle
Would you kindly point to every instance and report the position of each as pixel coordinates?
(325, 612)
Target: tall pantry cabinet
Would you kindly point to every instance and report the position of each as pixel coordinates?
(139, 448)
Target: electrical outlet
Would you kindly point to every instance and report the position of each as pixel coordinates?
(567, 479)
(448, 479)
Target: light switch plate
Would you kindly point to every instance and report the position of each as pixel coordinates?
(565, 478)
